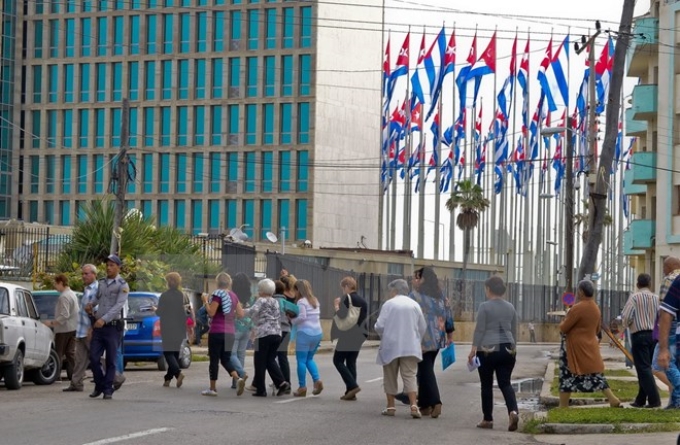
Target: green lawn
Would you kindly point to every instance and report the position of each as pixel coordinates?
(662, 420)
(624, 390)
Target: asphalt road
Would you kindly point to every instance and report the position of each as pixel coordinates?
(144, 412)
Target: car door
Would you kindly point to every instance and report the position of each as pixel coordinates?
(27, 326)
(43, 335)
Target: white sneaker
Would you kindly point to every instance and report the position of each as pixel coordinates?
(240, 386)
(209, 393)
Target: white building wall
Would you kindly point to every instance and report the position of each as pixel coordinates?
(345, 176)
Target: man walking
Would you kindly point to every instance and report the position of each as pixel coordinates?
(65, 323)
(350, 328)
(639, 314)
(671, 375)
(82, 355)
(107, 325)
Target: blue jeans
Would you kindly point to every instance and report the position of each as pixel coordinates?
(673, 373)
(305, 348)
(240, 346)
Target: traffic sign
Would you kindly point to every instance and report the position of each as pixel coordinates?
(568, 299)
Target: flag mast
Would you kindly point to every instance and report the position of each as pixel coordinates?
(438, 148)
(421, 190)
(452, 213)
(406, 211)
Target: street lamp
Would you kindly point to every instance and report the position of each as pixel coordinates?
(568, 202)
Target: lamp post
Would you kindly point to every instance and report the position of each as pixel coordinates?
(568, 203)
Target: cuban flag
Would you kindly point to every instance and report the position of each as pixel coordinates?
(506, 94)
(486, 64)
(401, 67)
(558, 75)
(386, 75)
(448, 66)
(617, 148)
(543, 77)
(434, 67)
(516, 166)
(603, 73)
(500, 134)
(523, 80)
(434, 158)
(461, 79)
(480, 148)
(446, 173)
(419, 78)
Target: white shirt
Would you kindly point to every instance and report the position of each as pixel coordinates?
(401, 325)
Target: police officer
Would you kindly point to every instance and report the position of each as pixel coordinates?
(107, 324)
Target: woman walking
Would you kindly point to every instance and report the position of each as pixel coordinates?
(309, 335)
(282, 352)
(494, 345)
(241, 287)
(267, 329)
(438, 335)
(172, 314)
(581, 365)
(223, 307)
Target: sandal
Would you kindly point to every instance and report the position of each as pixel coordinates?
(415, 412)
(389, 411)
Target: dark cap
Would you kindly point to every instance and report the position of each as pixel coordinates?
(114, 259)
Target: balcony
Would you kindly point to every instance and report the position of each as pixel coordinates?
(645, 101)
(642, 49)
(643, 167)
(628, 245)
(634, 127)
(630, 188)
(640, 235)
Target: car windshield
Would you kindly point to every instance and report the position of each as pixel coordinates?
(46, 303)
(141, 304)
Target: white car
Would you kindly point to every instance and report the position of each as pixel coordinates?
(26, 344)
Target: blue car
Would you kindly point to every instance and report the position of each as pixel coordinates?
(142, 341)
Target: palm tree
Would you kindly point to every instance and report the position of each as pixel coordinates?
(469, 198)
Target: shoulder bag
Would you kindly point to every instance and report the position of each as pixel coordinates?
(347, 323)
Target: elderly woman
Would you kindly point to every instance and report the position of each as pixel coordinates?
(223, 307)
(401, 325)
(494, 345)
(581, 365)
(172, 313)
(266, 314)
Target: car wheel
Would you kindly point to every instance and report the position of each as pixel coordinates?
(162, 364)
(14, 373)
(185, 356)
(50, 371)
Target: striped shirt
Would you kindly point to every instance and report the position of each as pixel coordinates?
(667, 281)
(83, 318)
(639, 313)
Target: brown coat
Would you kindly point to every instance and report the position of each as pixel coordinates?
(581, 326)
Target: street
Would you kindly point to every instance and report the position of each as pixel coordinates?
(144, 412)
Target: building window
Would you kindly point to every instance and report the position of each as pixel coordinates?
(267, 124)
(234, 76)
(163, 212)
(248, 216)
(48, 212)
(98, 176)
(232, 173)
(82, 170)
(132, 138)
(303, 123)
(249, 172)
(253, 28)
(54, 83)
(166, 82)
(213, 214)
(217, 78)
(133, 80)
(251, 77)
(100, 69)
(231, 212)
(84, 82)
(270, 38)
(265, 217)
(167, 34)
(99, 122)
(251, 124)
(288, 27)
(199, 125)
(54, 38)
(117, 91)
(302, 170)
(102, 36)
(66, 174)
(151, 34)
(267, 171)
(51, 128)
(198, 172)
(65, 212)
(69, 77)
(234, 118)
(84, 127)
(196, 216)
(35, 129)
(216, 131)
(35, 174)
(165, 127)
(67, 129)
(33, 211)
(85, 37)
(131, 184)
(184, 32)
(201, 32)
(305, 74)
(118, 36)
(164, 173)
(148, 127)
(180, 214)
(134, 35)
(182, 126)
(301, 219)
(284, 217)
(80, 211)
(37, 84)
(287, 76)
(199, 87)
(38, 39)
(218, 31)
(235, 24)
(286, 124)
(69, 31)
(215, 171)
(181, 169)
(149, 80)
(146, 206)
(269, 76)
(306, 27)
(284, 171)
(147, 177)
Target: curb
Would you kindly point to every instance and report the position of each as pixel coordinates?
(598, 428)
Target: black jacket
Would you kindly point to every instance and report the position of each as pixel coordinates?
(172, 312)
(353, 339)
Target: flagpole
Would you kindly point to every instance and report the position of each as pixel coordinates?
(526, 257)
(406, 210)
(452, 214)
(493, 245)
(421, 182)
(514, 201)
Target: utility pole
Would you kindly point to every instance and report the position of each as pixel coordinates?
(121, 178)
(589, 44)
(569, 210)
(599, 193)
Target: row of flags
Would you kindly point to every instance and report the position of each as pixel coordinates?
(404, 126)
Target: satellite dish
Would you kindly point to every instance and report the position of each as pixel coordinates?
(237, 235)
(272, 237)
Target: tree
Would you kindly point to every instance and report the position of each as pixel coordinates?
(583, 218)
(469, 198)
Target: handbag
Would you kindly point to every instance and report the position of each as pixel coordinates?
(347, 323)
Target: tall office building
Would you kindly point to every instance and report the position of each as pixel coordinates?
(242, 113)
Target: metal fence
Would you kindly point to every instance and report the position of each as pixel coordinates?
(25, 250)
